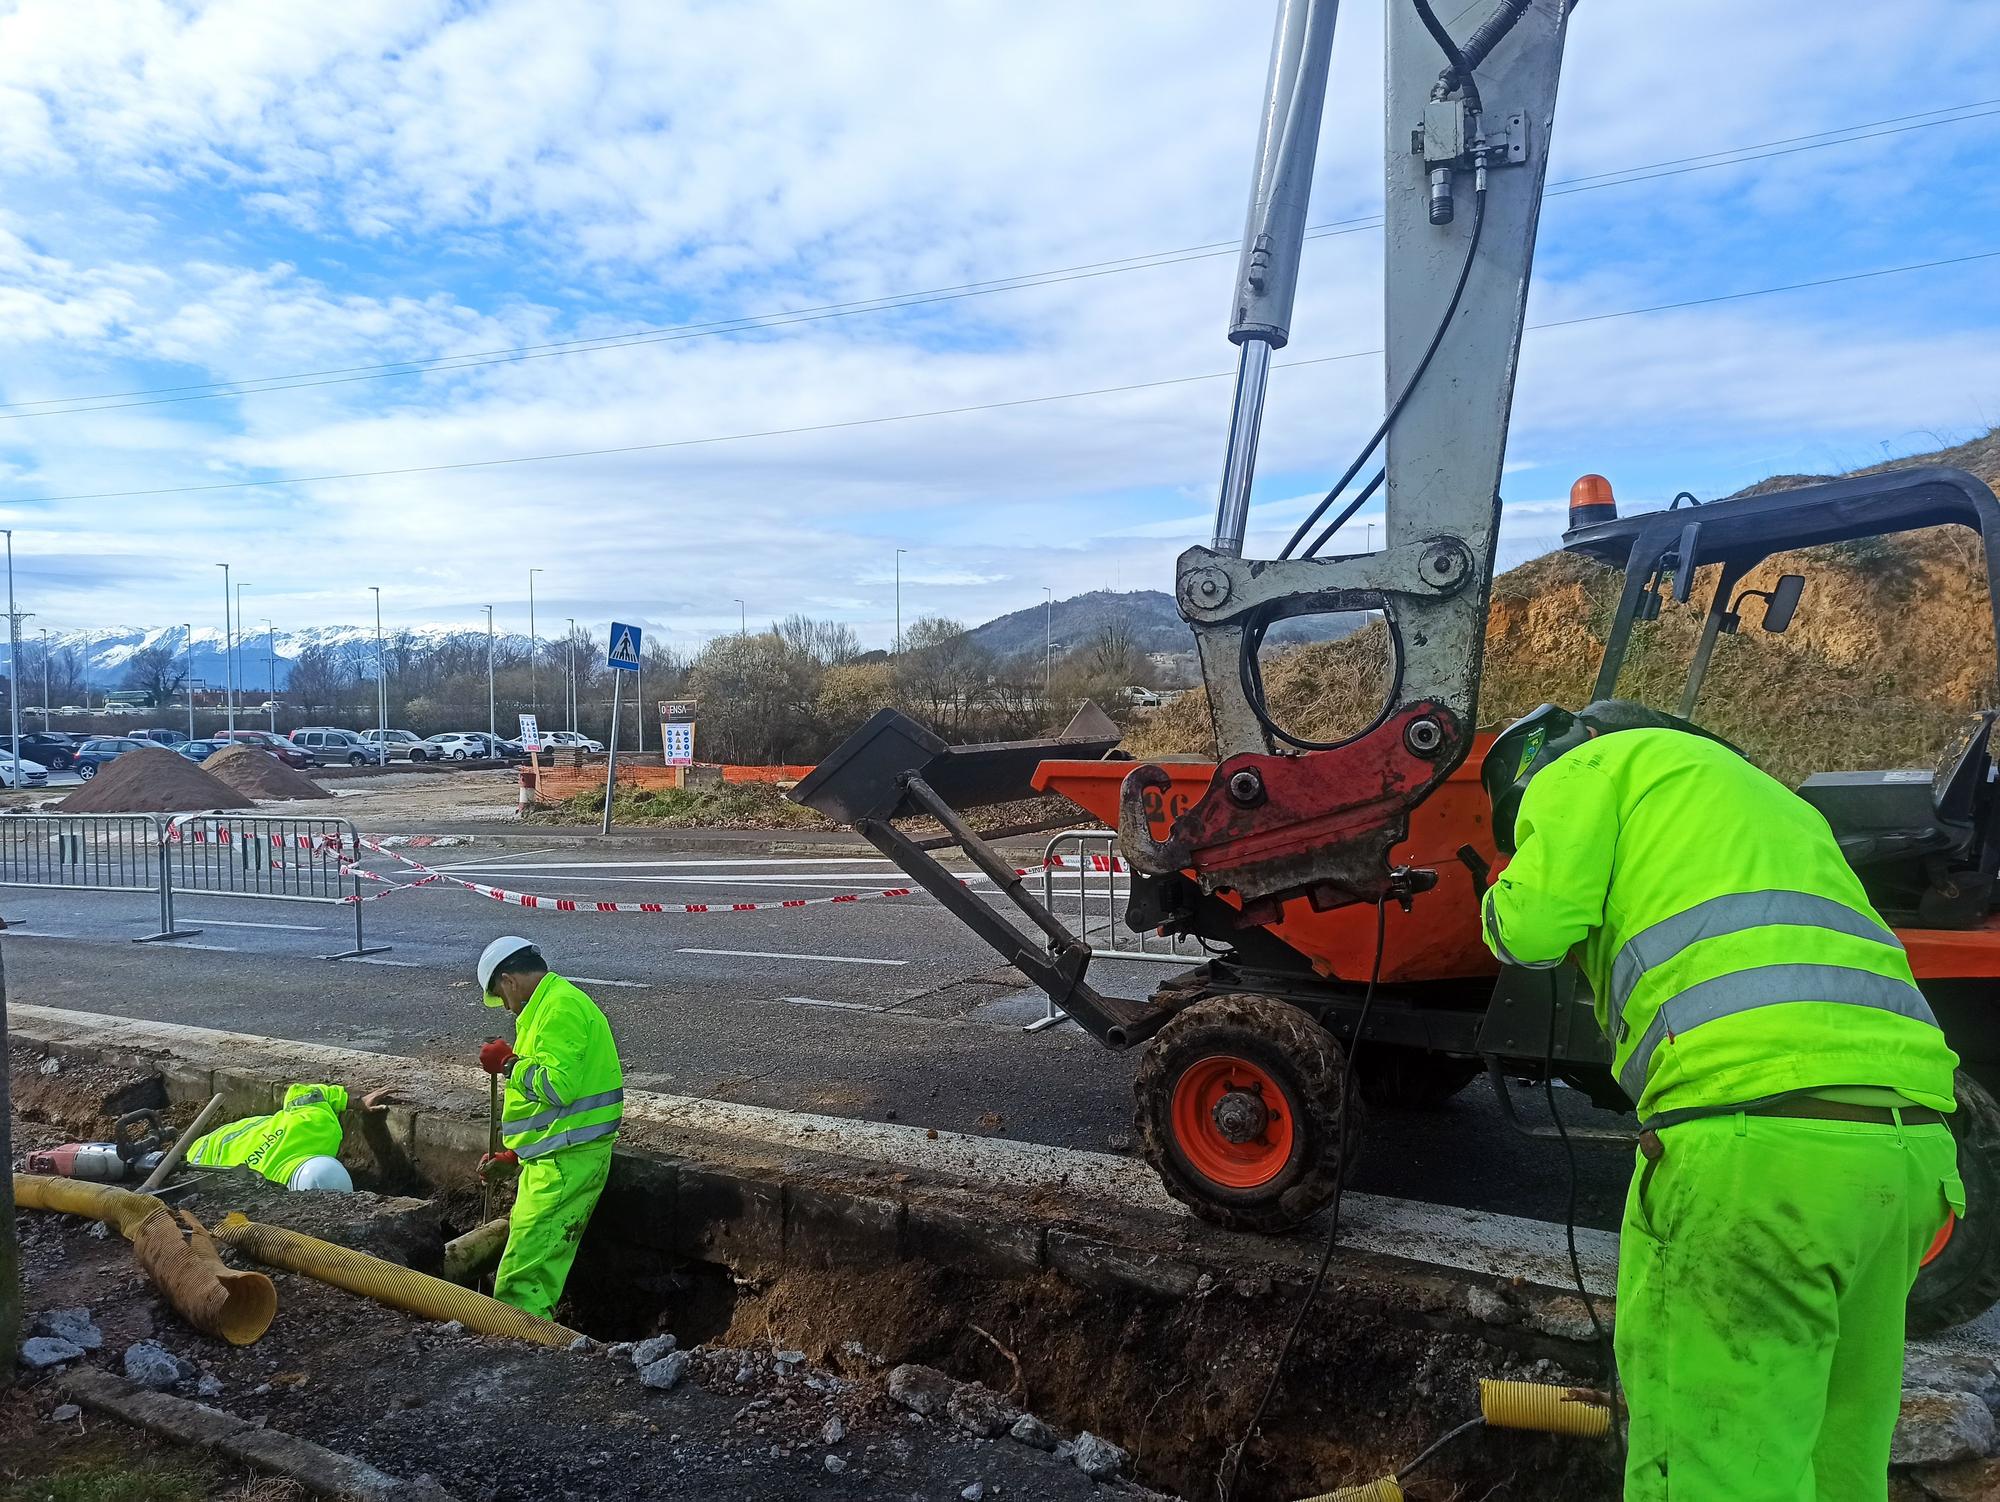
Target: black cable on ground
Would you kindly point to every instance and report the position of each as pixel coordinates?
(1609, 1351)
(1228, 1487)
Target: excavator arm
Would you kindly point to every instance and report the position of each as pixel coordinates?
(1470, 107)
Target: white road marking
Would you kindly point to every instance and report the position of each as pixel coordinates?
(1478, 1241)
(598, 980)
(16, 931)
(490, 860)
(373, 959)
(185, 944)
(781, 954)
(304, 928)
(844, 1006)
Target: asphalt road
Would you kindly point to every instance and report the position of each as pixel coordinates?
(881, 1010)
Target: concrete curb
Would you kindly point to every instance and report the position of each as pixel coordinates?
(323, 1472)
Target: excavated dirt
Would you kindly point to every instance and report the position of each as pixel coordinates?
(152, 780)
(256, 773)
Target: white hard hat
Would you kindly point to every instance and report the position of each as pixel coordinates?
(492, 957)
(321, 1173)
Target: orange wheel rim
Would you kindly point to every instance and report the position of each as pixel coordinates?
(1231, 1122)
(1942, 1239)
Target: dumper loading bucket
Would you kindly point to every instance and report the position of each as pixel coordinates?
(893, 768)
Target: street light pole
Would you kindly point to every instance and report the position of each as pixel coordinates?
(899, 600)
(569, 671)
(228, 668)
(13, 669)
(534, 646)
(271, 669)
(190, 678)
(492, 719)
(742, 618)
(381, 676)
(45, 678)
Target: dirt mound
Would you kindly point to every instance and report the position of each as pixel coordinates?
(256, 773)
(1890, 653)
(152, 780)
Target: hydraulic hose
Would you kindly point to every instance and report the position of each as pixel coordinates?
(386, 1282)
(234, 1306)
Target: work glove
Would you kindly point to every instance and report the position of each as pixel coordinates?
(495, 1165)
(497, 1057)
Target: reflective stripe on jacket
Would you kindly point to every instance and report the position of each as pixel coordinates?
(1731, 949)
(565, 1087)
(306, 1126)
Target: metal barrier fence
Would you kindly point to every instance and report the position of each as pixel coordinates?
(90, 853)
(288, 859)
(1095, 911)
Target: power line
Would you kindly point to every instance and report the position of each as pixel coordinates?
(752, 323)
(993, 406)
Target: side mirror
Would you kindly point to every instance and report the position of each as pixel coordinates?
(1782, 603)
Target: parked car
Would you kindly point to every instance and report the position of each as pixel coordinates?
(264, 740)
(33, 773)
(330, 746)
(200, 751)
(455, 745)
(399, 743)
(570, 740)
(51, 748)
(99, 750)
(71, 709)
(160, 735)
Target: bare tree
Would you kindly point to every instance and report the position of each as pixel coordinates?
(321, 677)
(943, 674)
(828, 643)
(155, 671)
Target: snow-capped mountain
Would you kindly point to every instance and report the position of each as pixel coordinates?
(107, 652)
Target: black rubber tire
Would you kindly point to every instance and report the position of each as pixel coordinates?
(1964, 1281)
(86, 772)
(1305, 1061)
(1394, 1078)
(416, 754)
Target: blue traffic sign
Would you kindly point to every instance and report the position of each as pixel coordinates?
(624, 651)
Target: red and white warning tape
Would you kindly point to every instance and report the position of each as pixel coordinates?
(573, 905)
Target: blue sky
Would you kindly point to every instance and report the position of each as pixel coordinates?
(209, 193)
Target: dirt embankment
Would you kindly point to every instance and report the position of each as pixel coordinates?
(1890, 652)
(256, 773)
(152, 780)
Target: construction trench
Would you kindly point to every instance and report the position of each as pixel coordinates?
(800, 1280)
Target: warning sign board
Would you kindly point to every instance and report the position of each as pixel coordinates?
(624, 653)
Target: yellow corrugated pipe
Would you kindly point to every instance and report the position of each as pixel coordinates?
(216, 1300)
(1543, 1406)
(1385, 1490)
(400, 1287)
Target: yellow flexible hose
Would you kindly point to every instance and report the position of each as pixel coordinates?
(216, 1300)
(1385, 1490)
(1543, 1406)
(399, 1287)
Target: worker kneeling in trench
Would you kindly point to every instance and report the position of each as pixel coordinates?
(297, 1145)
(1791, 1083)
(564, 1099)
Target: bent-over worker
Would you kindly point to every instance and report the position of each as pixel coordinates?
(1791, 1083)
(297, 1145)
(564, 1099)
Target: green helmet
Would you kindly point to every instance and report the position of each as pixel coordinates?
(1519, 752)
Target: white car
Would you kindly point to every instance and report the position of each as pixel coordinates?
(33, 773)
(454, 746)
(570, 740)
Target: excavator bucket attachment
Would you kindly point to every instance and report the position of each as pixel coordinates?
(893, 768)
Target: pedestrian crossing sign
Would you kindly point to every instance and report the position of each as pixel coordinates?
(624, 652)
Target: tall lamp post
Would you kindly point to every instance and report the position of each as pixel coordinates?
(492, 719)
(381, 677)
(569, 671)
(45, 677)
(271, 670)
(190, 678)
(228, 667)
(742, 619)
(534, 646)
(13, 668)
